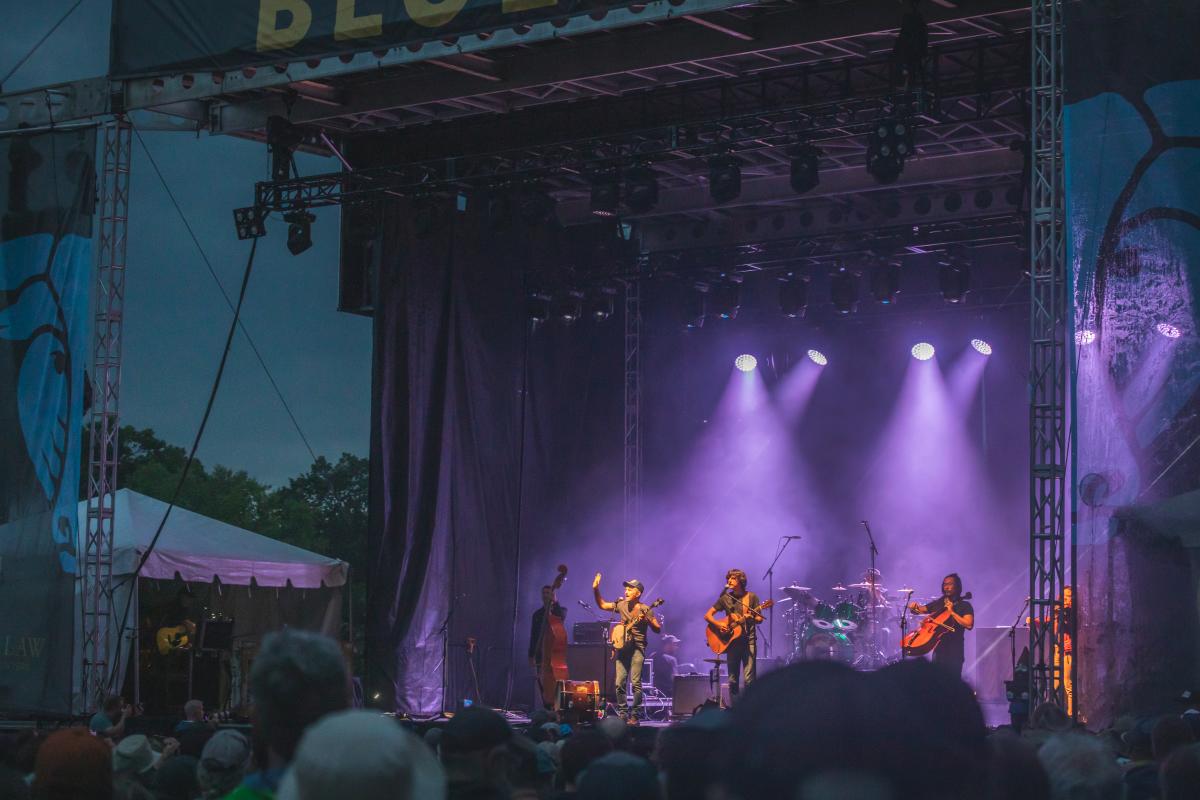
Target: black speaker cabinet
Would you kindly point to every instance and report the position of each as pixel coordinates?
(692, 690)
(590, 662)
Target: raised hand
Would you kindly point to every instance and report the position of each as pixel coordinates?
(596, 581)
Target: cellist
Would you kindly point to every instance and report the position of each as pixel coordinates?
(536, 631)
(949, 649)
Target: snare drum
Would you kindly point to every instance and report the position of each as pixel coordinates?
(847, 616)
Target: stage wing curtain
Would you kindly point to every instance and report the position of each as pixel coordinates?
(1132, 146)
(448, 354)
(47, 198)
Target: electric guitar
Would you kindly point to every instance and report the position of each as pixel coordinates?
(620, 636)
(720, 640)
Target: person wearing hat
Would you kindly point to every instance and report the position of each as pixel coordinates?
(636, 617)
(668, 657)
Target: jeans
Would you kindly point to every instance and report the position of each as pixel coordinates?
(743, 657)
(629, 667)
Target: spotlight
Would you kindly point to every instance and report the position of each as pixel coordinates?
(569, 307)
(600, 303)
(299, 236)
(1168, 330)
(922, 351)
(954, 279)
(641, 189)
(793, 295)
(817, 357)
(1084, 337)
(696, 309)
(843, 290)
(805, 168)
(887, 147)
(724, 178)
(727, 298)
(537, 306)
(606, 193)
(250, 222)
(981, 347)
(745, 362)
(885, 283)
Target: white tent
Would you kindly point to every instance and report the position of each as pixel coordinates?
(199, 550)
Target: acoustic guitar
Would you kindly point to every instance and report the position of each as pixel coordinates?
(620, 637)
(933, 628)
(168, 640)
(719, 640)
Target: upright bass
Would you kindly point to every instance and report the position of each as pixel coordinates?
(552, 658)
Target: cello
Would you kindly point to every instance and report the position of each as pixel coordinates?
(552, 659)
(926, 637)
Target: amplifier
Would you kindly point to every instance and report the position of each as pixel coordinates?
(590, 632)
(590, 662)
(578, 701)
(692, 690)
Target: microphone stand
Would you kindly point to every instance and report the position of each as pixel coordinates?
(769, 577)
(904, 626)
(1012, 634)
(873, 598)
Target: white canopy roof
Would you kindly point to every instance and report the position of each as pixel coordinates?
(199, 548)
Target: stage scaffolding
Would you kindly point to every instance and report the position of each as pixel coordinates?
(1051, 542)
(103, 450)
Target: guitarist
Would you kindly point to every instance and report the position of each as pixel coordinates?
(736, 602)
(949, 649)
(636, 617)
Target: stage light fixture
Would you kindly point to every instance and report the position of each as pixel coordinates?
(805, 168)
(745, 362)
(885, 283)
(922, 351)
(1168, 330)
(696, 307)
(537, 306)
(726, 298)
(568, 307)
(817, 357)
(606, 193)
(641, 188)
(843, 290)
(600, 303)
(981, 347)
(793, 295)
(888, 145)
(954, 280)
(535, 205)
(1085, 337)
(299, 234)
(724, 178)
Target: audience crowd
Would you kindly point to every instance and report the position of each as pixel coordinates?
(811, 731)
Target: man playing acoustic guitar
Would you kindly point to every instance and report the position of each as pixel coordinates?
(961, 618)
(635, 617)
(741, 608)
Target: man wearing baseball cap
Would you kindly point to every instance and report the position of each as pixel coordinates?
(635, 618)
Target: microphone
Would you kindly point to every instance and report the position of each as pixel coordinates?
(583, 604)
(793, 537)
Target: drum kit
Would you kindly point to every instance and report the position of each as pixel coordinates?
(856, 626)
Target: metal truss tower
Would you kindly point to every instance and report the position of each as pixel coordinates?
(633, 425)
(1051, 546)
(106, 391)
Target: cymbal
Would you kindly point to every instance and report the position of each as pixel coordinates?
(839, 588)
(879, 587)
(795, 588)
(906, 590)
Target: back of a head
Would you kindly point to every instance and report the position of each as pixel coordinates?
(474, 730)
(580, 750)
(365, 756)
(73, 765)
(175, 778)
(622, 775)
(298, 678)
(1169, 734)
(1014, 770)
(1080, 767)
(687, 754)
(1179, 778)
(226, 757)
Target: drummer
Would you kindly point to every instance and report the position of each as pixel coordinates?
(873, 577)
